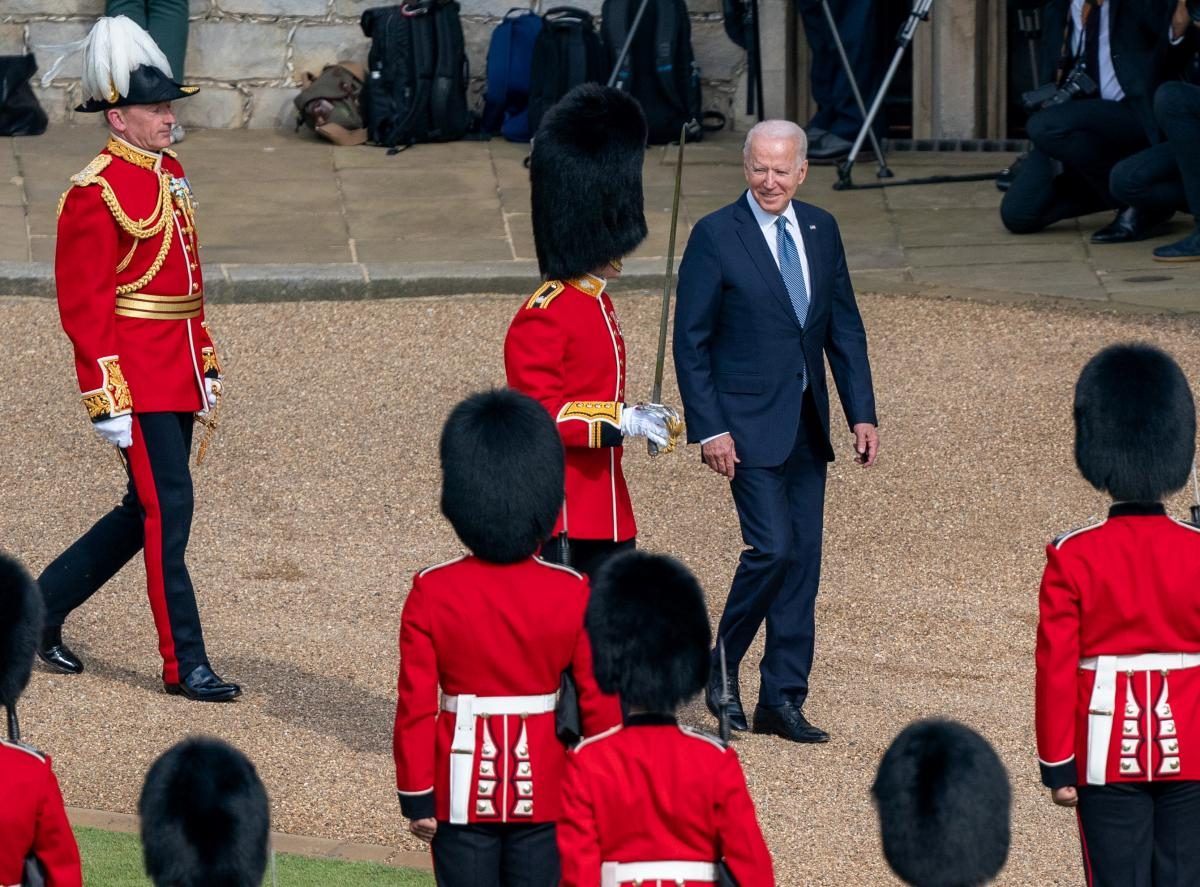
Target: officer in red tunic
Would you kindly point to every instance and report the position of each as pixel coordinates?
(653, 803)
(34, 832)
(564, 347)
(1118, 642)
(478, 770)
(131, 299)
(944, 805)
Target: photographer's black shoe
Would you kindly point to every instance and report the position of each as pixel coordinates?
(828, 147)
(1130, 226)
(1186, 250)
(56, 654)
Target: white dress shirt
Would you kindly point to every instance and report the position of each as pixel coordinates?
(766, 221)
(1110, 87)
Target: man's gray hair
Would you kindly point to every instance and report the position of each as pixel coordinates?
(777, 129)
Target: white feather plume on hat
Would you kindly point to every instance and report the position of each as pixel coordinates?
(115, 47)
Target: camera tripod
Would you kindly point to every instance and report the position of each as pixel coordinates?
(918, 13)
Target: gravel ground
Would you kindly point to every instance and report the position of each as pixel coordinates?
(319, 500)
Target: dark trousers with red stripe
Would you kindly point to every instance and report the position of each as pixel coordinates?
(1140, 834)
(155, 515)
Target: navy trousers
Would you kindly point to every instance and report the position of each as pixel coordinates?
(495, 855)
(857, 24)
(1140, 834)
(782, 512)
(154, 517)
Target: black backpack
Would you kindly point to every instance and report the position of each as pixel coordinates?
(416, 88)
(567, 53)
(660, 70)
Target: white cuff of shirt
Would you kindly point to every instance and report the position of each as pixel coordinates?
(1175, 41)
(714, 437)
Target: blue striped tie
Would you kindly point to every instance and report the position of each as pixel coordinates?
(793, 278)
(790, 268)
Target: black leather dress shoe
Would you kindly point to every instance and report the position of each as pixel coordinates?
(56, 654)
(1130, 226)
(788, 721)
(712, 698)
(828, 147)
(202, 685)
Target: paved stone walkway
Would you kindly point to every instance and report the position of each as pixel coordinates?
(286, 217)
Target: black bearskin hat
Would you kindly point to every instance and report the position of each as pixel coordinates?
(21, 615)
(649, 631)
(502, 474)
(205, 816)
(1135, 423)
(943, 799)
(586, 178)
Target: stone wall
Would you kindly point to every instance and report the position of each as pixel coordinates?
(250, 55)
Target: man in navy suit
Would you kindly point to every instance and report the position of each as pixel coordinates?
(763, 294)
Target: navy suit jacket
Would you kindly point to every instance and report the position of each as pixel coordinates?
(739, 349)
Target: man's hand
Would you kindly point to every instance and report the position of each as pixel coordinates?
(1180, 20)
(212, 387)
(1066, 796)
(117, 431)
(641, 420)
(866, 443)
(423, 828)
(720, 455)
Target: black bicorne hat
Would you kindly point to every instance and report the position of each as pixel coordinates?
(649, 631)
(585, 176)
(205, 817)
(21, 615)
(502, 474)
(147, 86)
(943, 800)
(1135, 423)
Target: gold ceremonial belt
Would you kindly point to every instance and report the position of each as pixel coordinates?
(150, 307)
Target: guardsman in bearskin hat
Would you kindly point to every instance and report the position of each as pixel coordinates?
(478, 771)
(131, 299)
(564, 347)
(653, 802)
(205, 817)
(34, 832)
(944, 802)
(1118, 642)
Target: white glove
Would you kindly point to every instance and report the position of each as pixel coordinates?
(211, 388)
(641, 421)
(117, 430)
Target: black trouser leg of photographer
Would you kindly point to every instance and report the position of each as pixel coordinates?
(1177, 110)
(1149, 181)
(1043, 192)
(1089, 136)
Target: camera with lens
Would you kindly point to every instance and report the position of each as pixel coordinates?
(1076, 85)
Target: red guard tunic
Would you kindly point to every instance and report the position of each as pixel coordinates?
(32, 819)
(490, 631)
(1118, 651)
(655, 792)
(564, 348)
(130, 293)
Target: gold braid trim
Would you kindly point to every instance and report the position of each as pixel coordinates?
(112, 398)
(144, 159)
(155, 267)
(592, 411)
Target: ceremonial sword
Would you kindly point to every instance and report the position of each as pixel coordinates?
(1195, 498)
(674, 423)
(726, 698)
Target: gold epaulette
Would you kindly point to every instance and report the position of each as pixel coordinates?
(89, 175)
(547, 293)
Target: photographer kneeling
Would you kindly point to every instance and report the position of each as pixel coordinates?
(1167, 175)
(1114, 58)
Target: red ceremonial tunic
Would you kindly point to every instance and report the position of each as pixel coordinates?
(33, 819)
(653, 791)
(1128, 586)
(564, 348)
(491, 630)
(130, 291)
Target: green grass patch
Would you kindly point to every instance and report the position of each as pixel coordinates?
(113, 859)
